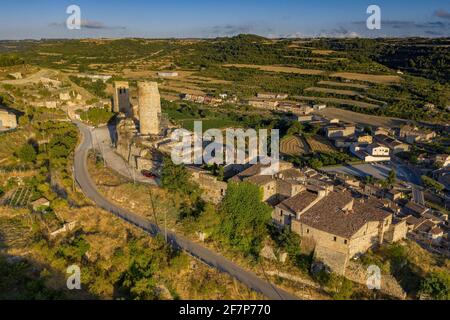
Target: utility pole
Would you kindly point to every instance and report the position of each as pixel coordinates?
(165, 225)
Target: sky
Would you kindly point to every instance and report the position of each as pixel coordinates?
(31, 19)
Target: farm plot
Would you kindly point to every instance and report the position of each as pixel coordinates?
(320, 144)
(379, 79)
(294, 146)
(20, 198)
(333, 91)
(344, 84)
(280, 69)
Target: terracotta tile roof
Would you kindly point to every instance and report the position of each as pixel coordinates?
(417, 208)
(292, 174)
(259, 180)
(328, 215)
(426, 226)
(299, 202)
(249, 172)
(437, 231)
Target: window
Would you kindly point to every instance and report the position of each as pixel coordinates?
(335, 239)
(307, 230)
(345, 241)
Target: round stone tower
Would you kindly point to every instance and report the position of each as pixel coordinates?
(149, 108)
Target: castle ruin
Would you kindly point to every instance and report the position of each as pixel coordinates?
(149, 108)
(121, 101)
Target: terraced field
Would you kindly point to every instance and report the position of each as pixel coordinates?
(294, 146)
(378, 79)
(280, 69)
(333, 91)
(343, 84)
(320, 144)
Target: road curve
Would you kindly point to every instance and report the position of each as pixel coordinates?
(199, 252)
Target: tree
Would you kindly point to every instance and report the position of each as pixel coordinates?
(392, 177)
(244, 218)
(436, 286)
(176, 178)
(432, 184)
(295, 129)
(23, 121)
(27, 153)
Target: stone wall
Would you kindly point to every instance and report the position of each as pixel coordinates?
(335, 251)
(213, 189)
(397, 232)
(337, 261)
(389, 285)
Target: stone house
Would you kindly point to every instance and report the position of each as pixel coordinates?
(340, 130)
(393, 195)
(8, 120)
(415, 209)
(429, 230)
(340, 226)
(263, 104)
(285, 184)
(394, 145)
(213, 189)
(441, 160)
(40, 203)
(412, 134)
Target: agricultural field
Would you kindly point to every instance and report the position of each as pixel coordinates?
(373, 78)
(279, 69)
(294, 146)
(333, 91)
(319, 144)
(20, 197)
(344, 84)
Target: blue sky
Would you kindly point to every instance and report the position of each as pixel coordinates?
(177, 18)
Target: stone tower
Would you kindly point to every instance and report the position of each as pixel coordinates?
(149, 108)
(122, 98)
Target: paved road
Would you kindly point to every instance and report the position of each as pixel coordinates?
(203, 254)
(103, 143)
(34, 78)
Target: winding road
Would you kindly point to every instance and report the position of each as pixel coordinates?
(195, 250)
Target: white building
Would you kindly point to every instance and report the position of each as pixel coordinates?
(168, 74)
(371, 152)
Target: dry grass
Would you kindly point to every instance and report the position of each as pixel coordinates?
(323, 52)
(280, 69)
(379, 79)
(363, 119)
